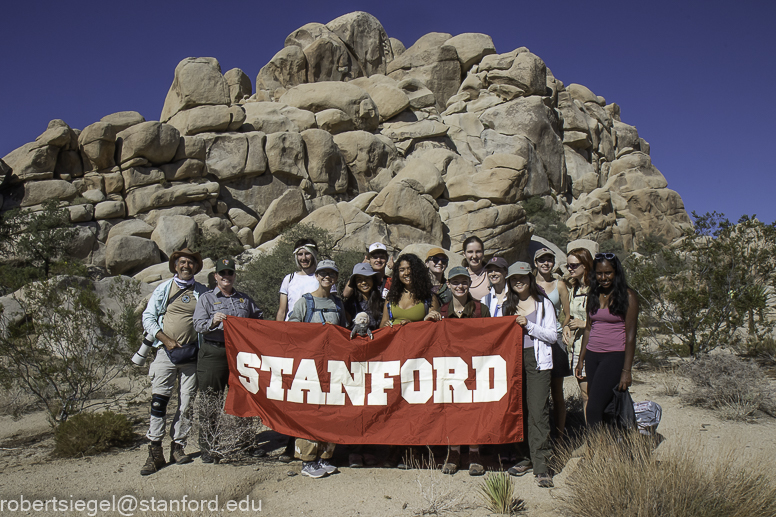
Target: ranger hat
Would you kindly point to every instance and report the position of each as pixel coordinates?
(186, 252)
(225, 264)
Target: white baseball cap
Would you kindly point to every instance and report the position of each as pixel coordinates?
(376, 247)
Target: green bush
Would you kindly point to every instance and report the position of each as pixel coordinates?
(262, 277)
(86, 434)
(548, 224)
(497, 492)
(221, 245)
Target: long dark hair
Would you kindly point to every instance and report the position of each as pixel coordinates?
(468, 308)
(420, 283)
(512, 299)
(618, 300)
(374, 299)
(469, 240)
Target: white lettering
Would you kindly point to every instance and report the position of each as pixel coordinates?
(278, 366)
(379, 370)
(340, 378)
(425, 381)
(306, 379)
(452, 372)
(483, 365)
(249, 377)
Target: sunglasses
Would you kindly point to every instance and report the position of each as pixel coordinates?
(604, 256)
(572, 267)
(437, 260)
(327, 273)
(545, 258)
(226, 272)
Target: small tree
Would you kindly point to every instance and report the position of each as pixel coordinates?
(64, 348)
(708, 289)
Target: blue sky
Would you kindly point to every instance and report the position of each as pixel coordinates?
(694, 77)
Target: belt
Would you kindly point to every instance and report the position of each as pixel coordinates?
(219, 344)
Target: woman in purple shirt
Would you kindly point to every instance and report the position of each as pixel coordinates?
(609, 341)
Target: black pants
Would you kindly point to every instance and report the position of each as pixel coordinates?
(603, 375)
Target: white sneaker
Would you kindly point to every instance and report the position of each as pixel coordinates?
(326, 466)
(311, 469)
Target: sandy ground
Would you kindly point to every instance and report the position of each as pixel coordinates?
(29, 471)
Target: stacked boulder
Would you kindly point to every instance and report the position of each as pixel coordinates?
(349, 130)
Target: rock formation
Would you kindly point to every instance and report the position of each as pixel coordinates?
(355, 132)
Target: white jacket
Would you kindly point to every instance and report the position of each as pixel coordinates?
(544, 332)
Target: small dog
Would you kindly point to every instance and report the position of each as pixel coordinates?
(361, 326)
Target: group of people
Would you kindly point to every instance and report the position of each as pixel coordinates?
(594, 340)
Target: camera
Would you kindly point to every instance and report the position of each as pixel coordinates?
(140, 357)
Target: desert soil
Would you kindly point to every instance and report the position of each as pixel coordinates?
(30, 471)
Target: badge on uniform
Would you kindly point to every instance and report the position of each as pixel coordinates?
(242, 300)
(185, 298)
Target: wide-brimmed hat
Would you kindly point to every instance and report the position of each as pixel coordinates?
(519, 268)
(185, 252)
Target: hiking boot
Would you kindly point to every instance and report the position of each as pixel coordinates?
(544, 480)
(475, 464)
(312, 469)
(288, 455)
(394, 454)
(452, 462)
(325, 465)
(521, 469)
(355, 460)
(209, 457)
(178, 455)
(155, 459)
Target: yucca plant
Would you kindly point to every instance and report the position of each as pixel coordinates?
(498, 494)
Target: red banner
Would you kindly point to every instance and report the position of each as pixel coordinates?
(456, 382)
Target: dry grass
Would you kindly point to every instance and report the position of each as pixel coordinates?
(737, 388)
(226, 436)
(620, 475)
(436, 498)
(669, 382)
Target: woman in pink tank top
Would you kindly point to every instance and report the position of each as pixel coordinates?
(609, 341)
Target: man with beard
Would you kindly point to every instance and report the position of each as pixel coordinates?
(168, 317)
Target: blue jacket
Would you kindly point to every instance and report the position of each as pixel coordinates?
(153, 315)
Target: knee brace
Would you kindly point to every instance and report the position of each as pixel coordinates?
(159, 405)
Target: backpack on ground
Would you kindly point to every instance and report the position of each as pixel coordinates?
(648, 415)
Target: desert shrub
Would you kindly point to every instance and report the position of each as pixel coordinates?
(262, 277)
(436, 498)
(762, 349)
(622, 476)
(89, 433)
(65, 348)
(736, 388)
(226, 436)
(220, 245)
(547, 223)
(497, 492)
(612, 246)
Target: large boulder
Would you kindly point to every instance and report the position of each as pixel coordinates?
(502, 179)
(147, 198)
(529, 117)
(197, 82)
(403, 202)
(286, 69)
(281, 213)
(112, 209)
(127, 253)
(37, 192)
(425, 173)
(232, 155)
(275, 117)
(386, 94)
(254, 194)
(173, 233)
(366, 38)
(433, 63)
(239, 83)
(37, 160)
(471, 47)
(133, 227)
(528, 73)
(97, 143)
(286, 156)
(501, 227)
(201, 119)
(365, 155)
(121, 120)
(343, 96)
(348, 226)
(325, 165)
(153, 141)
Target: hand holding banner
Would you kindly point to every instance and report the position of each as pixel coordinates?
(453, 382)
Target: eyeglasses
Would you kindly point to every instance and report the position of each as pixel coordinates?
(226, 272)
(437, 260)
(572, 267)
(606, 256)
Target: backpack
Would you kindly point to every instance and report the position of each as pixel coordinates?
(426, 306)
(648, 415)
(311, 309)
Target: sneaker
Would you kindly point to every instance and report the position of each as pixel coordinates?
(355, 460)
(312, 469)
(544, 480)
(521, 469)
(328, 467)
(475, 464)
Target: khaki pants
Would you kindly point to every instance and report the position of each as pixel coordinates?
(307, 450)
(164, 374)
